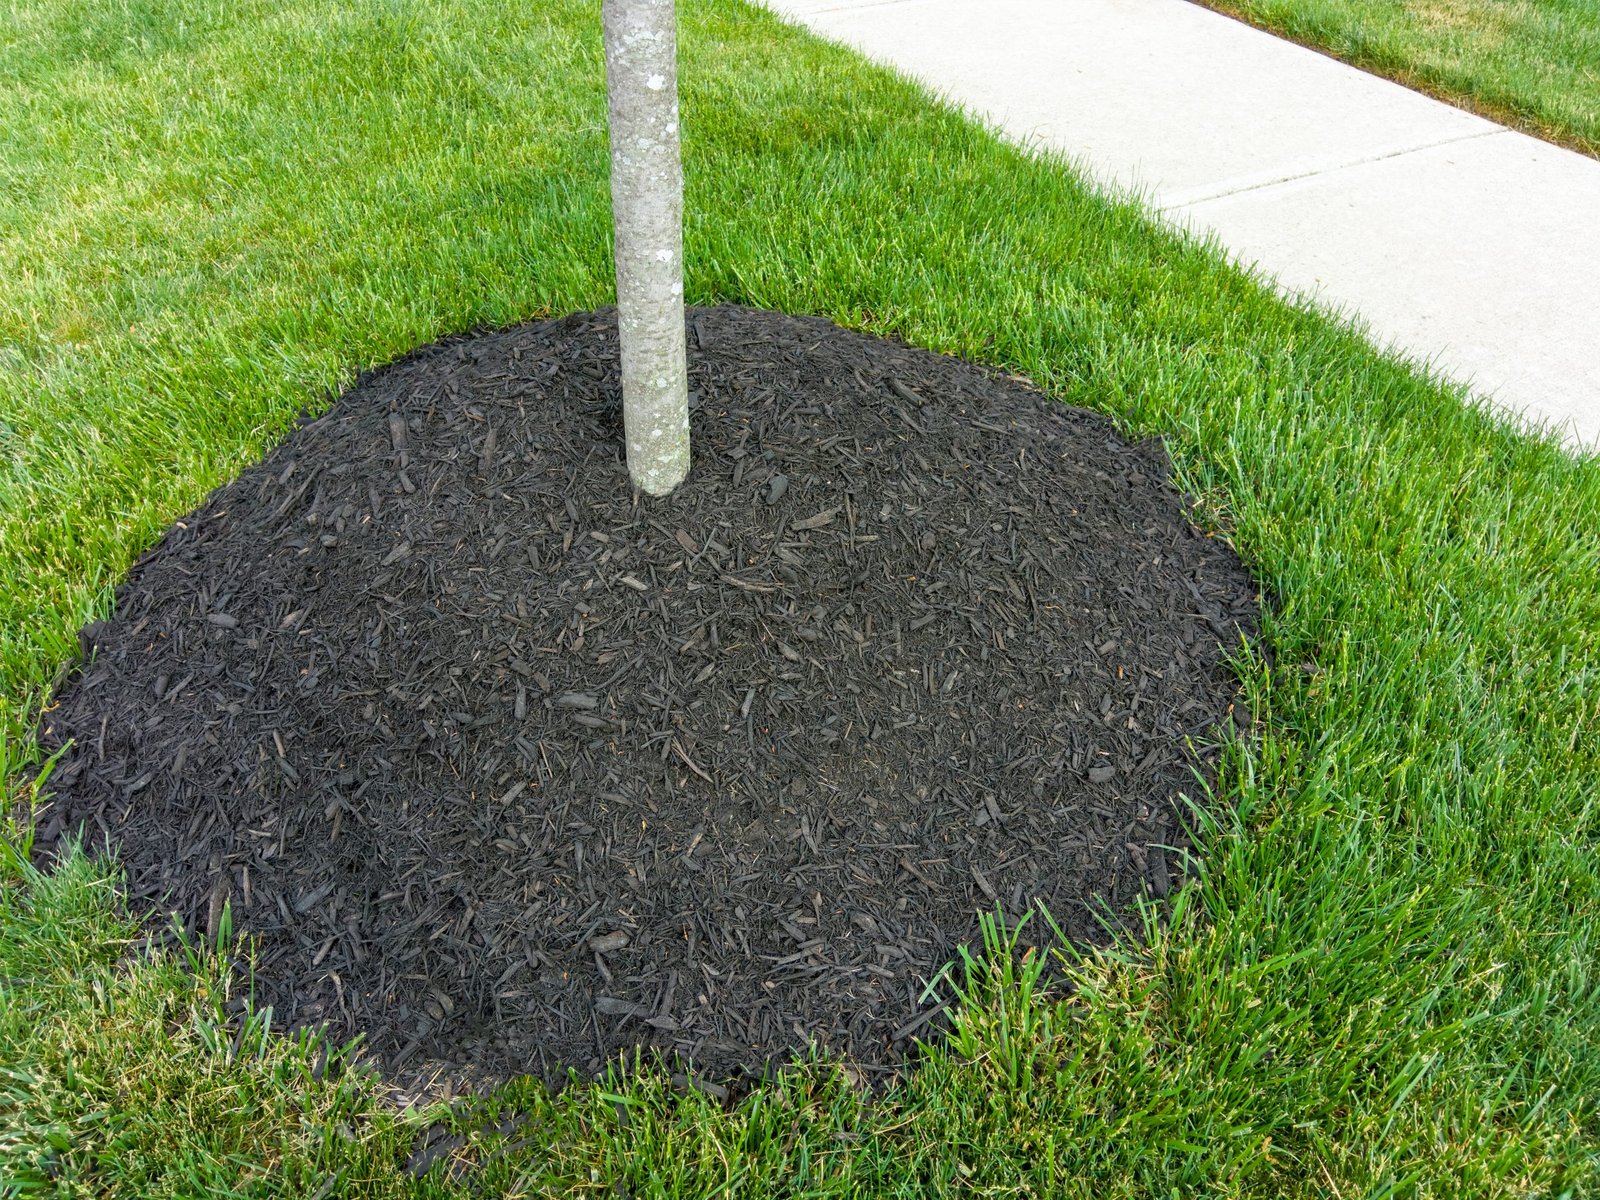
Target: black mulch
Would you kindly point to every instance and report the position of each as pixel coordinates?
(509, 768)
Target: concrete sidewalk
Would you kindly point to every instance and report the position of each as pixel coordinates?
(1456, 239)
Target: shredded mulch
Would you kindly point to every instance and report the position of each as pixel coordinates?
(510, 768)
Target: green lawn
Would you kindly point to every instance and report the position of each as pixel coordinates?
(1384, 983)
(1534, 64)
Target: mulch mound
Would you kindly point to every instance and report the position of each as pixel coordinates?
(508, 767)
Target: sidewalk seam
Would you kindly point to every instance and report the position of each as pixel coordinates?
(1242, 189)
(817, 12)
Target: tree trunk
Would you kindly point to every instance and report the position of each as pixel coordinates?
(647, 211)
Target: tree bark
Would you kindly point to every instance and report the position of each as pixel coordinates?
(647, 212)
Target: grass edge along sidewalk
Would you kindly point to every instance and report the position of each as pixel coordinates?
(1383, 982)
(1529, 65)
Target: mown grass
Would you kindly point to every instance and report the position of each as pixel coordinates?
(1383, 981)
(1533, 64)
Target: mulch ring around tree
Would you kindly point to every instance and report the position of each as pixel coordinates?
(509, 768)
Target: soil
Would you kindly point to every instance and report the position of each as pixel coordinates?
(509, 768)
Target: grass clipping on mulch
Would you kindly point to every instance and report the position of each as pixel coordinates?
(509, 768)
